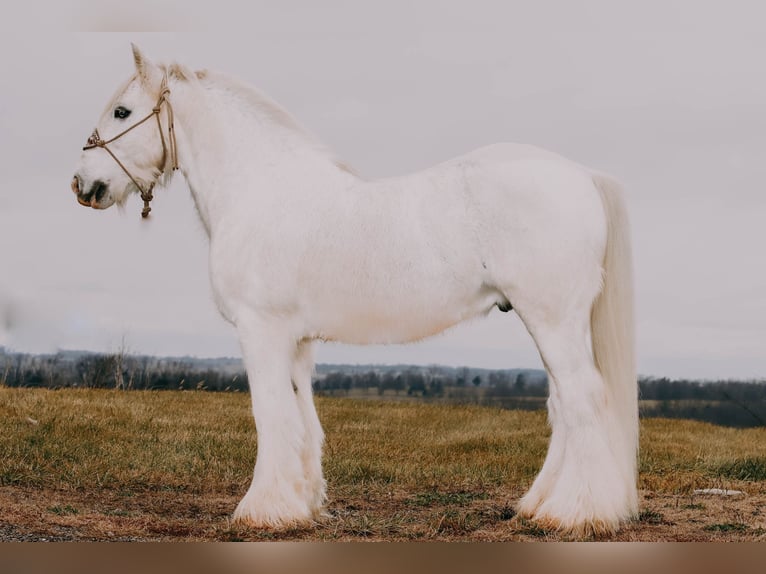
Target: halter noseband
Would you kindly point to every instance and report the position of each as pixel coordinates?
(95, 141)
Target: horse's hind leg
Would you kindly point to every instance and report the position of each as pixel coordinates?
(583, 487)
(311, 454)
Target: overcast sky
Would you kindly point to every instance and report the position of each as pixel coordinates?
(669, 97)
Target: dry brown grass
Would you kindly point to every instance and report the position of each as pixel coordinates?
(107, 465)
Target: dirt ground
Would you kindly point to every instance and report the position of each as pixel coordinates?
(30, 514)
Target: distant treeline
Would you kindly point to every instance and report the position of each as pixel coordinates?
(118, 371)
(732, 403)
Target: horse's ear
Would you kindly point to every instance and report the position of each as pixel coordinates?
(138, 58)
(145, 69)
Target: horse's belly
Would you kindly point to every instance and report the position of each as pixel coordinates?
(370, 324)
(366, 329)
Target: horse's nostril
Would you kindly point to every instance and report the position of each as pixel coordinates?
(76, 185)
(99, 190)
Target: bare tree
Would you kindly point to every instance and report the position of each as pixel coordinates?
(118, 364)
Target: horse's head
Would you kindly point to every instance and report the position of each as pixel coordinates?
(128, 151)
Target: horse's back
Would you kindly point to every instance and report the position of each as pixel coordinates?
(504, 152)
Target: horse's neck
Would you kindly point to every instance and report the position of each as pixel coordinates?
(238, 156)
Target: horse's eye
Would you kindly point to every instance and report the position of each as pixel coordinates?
(121, 113)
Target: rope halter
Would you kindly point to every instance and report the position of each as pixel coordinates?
(95, 141)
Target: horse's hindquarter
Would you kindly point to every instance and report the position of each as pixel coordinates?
(540, 220)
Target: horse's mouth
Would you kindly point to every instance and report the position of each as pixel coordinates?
(93, 198)
(90, 202)
(87, 203)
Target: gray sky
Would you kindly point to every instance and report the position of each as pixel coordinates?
(669, 97)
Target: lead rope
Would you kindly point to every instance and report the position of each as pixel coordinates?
(95, 141)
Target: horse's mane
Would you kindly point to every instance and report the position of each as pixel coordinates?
(265, 107)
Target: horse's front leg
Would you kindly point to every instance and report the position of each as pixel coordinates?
(280, 494)
(303, 369)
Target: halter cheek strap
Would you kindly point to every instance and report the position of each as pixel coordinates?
(95, 141)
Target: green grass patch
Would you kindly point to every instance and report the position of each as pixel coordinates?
(65, 510)
(445, 498)
(651, 517)
(752, 468)
(456, 522)
(532, 529)
(726, 527)
(117, 512)
(505, 512)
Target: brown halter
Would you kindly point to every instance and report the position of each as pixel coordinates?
(95, 141)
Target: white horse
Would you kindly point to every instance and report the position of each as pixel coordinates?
(303, 249)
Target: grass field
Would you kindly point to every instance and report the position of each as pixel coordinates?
(169, 465)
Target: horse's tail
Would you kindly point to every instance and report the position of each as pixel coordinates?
(613, 332)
